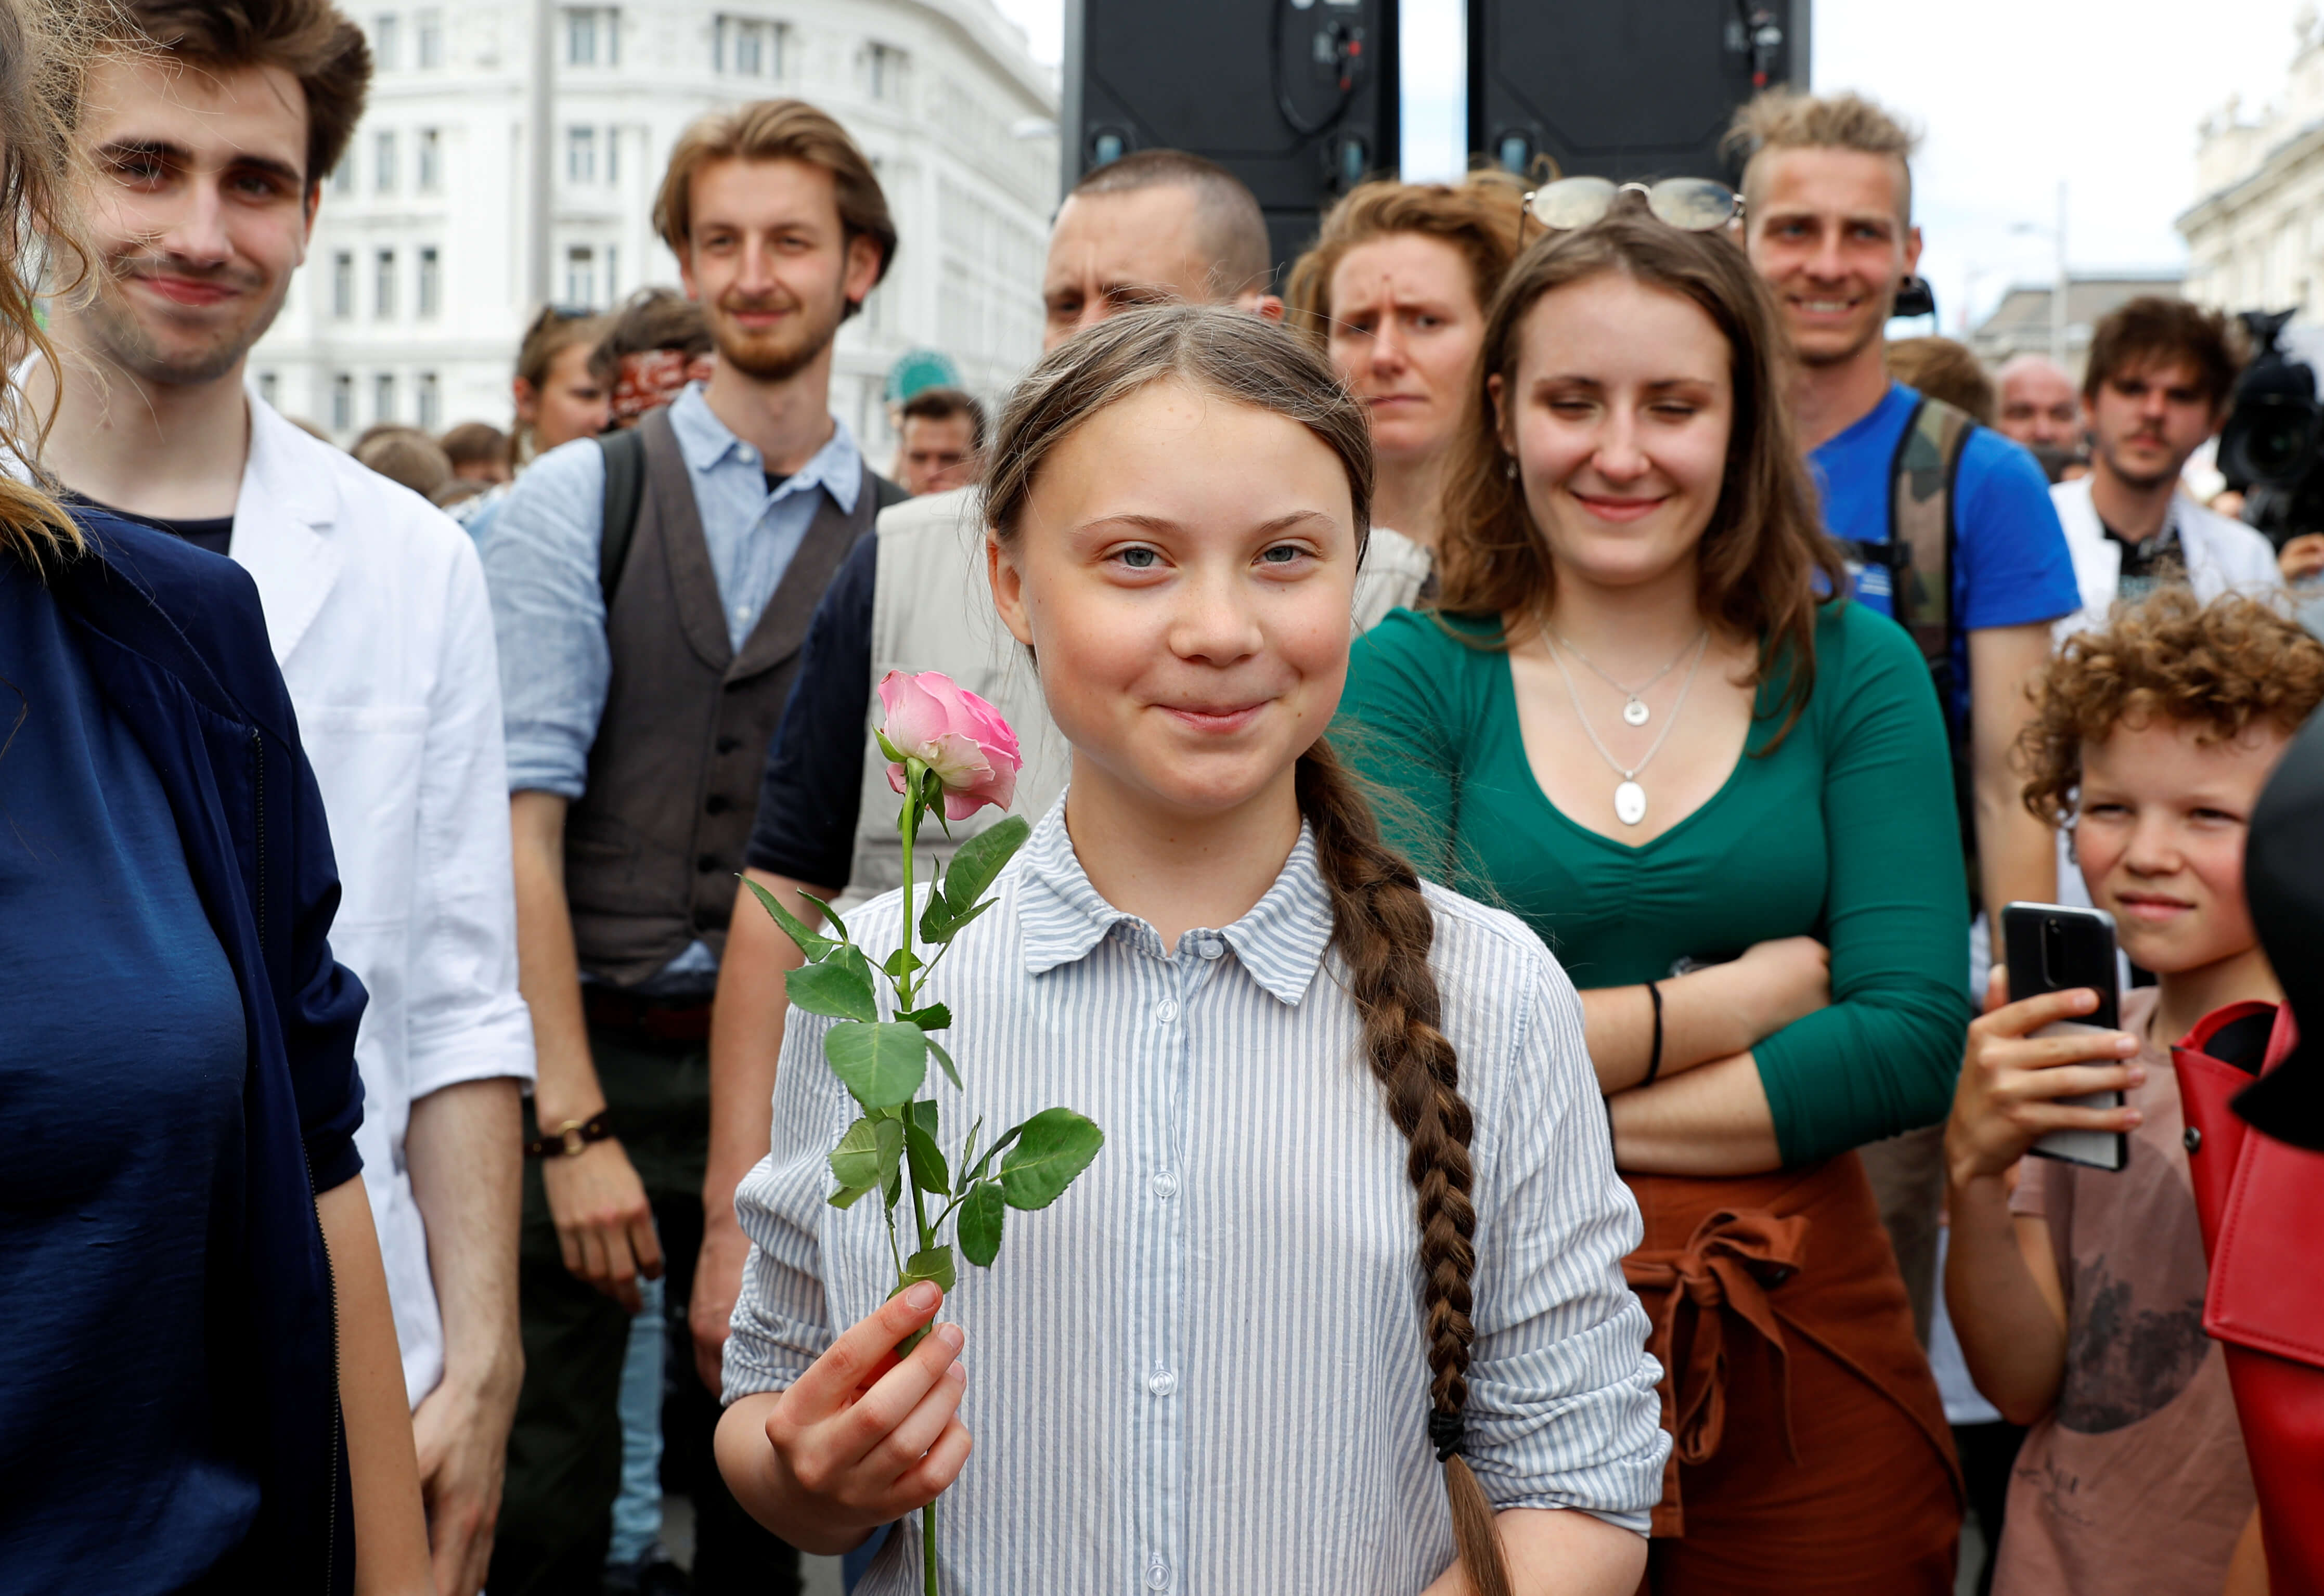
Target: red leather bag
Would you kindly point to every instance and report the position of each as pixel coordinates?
(2262, 1206)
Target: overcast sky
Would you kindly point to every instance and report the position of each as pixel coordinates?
(2014, 95)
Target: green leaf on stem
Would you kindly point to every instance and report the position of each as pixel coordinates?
(928, 1171)
(968, 1153)
(935, 1017)
(1007, 1137)
(852, 957)
(855, 1162)
(895, 755)
(980, 860)
(902, 963)
(834, 989)
(844, 1197)
(923, 1114)
(981, 1214)
(944, 1059)
(1057, 1145)
(815, 946)
(881, 1064)
(938, 924)
(830, 913)
(935, 1264)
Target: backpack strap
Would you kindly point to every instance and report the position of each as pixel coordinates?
(1923, 534)
(625, 491)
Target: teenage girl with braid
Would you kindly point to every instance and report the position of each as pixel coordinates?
(1355, 1214)
(1725, 803)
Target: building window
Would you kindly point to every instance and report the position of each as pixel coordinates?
(382, 163)
(382, 396)
(342, 175)
(887, 74)
(269, 385)
(432, 160)
(581, 154)
(429, 25)
(581, 277)
(343, 284)
(385, 40)
(592, 36)
(612, 155)
(748, 46)
(612, 276)
(431, 404)
(382, 284)
(342, 402)
(428, 294)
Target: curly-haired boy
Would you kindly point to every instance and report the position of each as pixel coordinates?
(2079, 1297)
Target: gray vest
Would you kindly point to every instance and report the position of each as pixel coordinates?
(932, 610)
(653, 845)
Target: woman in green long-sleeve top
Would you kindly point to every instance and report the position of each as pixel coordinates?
(1726, 804)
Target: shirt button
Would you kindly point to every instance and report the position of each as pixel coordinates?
(1167, 1011)
(1164, 1185)
(1210, 948)
(749, 455)
(1162, 1382)
(1157, 1574)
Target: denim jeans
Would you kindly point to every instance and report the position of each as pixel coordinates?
(636, 1511)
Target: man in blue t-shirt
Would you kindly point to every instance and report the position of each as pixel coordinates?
(1829, 226)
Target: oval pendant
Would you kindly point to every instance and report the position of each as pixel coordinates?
(1635, 712)
(1629, 803)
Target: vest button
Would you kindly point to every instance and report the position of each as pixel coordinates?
(716, 804)
(706, 863)
(728, 744)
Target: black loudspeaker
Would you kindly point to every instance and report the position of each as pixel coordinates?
(1624, 88)
(1296, 98)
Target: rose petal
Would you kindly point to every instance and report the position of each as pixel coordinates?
(915, 717)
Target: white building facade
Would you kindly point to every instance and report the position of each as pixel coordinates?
(417, 286)
(2255, 232)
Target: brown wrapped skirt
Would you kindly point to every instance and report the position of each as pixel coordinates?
(1811, 1455)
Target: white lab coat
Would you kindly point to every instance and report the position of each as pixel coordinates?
(2223, 556)
(375, 603)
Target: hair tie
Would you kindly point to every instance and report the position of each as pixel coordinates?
(1448, 1433)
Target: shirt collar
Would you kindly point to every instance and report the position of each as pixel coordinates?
(1281, 941)
(707, 442)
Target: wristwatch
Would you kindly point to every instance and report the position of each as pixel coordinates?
(569, 1139)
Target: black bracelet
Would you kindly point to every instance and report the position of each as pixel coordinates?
(568, 1139)
(1654, 1058)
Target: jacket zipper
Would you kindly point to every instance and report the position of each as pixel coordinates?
(331, 1265)
(258, 795)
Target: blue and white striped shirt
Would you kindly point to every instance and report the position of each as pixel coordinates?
(1203, 1370)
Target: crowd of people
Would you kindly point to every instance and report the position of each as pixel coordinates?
(1529, 731)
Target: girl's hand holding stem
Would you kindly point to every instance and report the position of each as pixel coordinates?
(863, 1437)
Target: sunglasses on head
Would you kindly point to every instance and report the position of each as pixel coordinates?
(1695, 204)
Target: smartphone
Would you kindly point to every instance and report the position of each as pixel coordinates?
(2052, 948)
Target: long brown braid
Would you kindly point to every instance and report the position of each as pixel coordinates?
(1381, 925)
(1383, 929)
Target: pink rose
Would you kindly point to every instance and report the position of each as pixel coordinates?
(956, 734)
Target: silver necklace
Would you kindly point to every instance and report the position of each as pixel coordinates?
(1635, 712)
(1629, 797)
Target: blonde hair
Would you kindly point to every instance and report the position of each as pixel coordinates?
(1784, 118)
(1480, 216)
(777, 130)
(1381, 925)
(45, 47)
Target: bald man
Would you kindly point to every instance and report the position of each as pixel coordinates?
(1159, 227)
(2039, 406)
